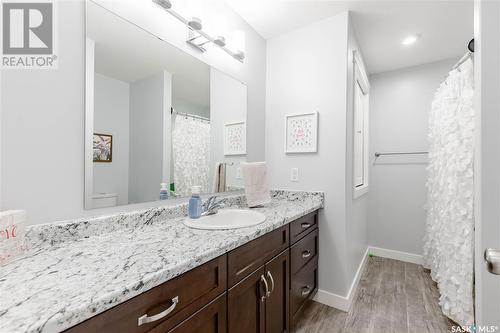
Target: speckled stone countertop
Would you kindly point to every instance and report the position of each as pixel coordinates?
(78, 269)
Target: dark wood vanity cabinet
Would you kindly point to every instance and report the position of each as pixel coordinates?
(277, 304)
(246, 304)
(210, 319)
(258, 287)
(259, 303)
(304, 253)
(165, 306)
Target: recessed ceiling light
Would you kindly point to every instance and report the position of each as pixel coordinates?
(410, 40)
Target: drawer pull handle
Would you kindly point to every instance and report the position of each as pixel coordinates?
(263, 279)
(144, 319)
(305, 225)
(305, 291)
(272, 281)
(306, 254)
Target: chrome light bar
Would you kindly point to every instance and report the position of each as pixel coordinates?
(195, 26)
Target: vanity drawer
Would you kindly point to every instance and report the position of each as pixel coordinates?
(210, 319)
(184, 295)
(304, 251)
(303, 285)
(302, 226)
(247, 258)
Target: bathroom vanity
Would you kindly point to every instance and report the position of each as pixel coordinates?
(144, 270)
(256, 287)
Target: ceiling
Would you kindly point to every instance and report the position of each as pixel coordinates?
(126, 52)
(445, 26)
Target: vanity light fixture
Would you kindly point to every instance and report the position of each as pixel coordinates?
(163, 3)
(239, 56)
(198, 38)
(220, 41)
(410, 40)
(195, 24)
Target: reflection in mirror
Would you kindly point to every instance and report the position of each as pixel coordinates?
(157, 118)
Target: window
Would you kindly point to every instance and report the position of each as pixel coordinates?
(360, 128)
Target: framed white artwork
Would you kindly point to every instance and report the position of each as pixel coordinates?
(301, 133)
(235, 138)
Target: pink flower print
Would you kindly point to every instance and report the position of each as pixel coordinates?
(300, 134)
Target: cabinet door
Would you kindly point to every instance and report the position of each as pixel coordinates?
(277, 273)
(246, 304)
(210, 319)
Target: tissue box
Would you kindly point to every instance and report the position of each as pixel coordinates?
(12, 232)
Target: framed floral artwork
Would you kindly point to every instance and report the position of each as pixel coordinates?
(103, 148)
(301, 133)
(235, 138)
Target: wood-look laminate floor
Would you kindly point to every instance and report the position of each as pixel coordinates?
(393, 296)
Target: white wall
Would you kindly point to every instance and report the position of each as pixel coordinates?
(400, 103)
(111, 116)
(228, 104)
(150, 102)
(42, 129)
(183, 106)
(306, 71)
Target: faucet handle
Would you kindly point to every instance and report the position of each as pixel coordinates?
(210, 201)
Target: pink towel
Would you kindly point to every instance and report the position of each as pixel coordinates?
(256, 187)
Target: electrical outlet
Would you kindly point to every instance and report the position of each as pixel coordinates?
(238, 173)
(294, 174)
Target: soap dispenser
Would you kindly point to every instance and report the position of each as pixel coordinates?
(195, 202)
(163, 191)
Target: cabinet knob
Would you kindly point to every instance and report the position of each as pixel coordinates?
(305, 225)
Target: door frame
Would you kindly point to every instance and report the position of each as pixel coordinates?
(487, 157)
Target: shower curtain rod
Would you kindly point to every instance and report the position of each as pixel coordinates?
(463, 59)
(189, 115)
(377, 154)
(469, 54)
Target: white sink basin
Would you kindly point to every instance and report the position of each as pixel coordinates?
(227, 219)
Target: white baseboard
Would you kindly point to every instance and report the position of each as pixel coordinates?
(335, 301)
(344, 302)
(397, 255)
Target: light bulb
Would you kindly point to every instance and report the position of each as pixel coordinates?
(410, 40)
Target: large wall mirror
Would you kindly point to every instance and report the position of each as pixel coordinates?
(156, 115)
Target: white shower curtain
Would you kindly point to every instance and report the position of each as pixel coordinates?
(191, 154)
(448, 243)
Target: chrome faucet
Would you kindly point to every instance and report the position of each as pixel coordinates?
(211, 206)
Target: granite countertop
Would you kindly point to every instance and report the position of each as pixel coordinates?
(78, 269)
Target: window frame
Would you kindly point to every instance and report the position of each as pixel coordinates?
(361, 79)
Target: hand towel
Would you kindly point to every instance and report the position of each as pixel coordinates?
(12, 231)
(255, 180)
(219, 183)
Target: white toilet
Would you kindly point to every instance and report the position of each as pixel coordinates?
(101, 200)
